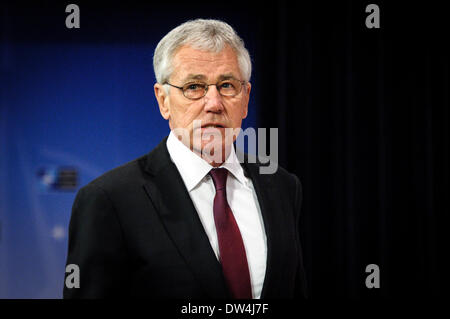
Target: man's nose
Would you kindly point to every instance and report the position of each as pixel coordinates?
(213, 100)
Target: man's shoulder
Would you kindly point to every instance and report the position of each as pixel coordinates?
(265, 168)
(133, 173)
(280, 184)
(119, 176)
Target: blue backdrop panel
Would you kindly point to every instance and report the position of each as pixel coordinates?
(82, 108)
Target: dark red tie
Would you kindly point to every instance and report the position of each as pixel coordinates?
(231, 247)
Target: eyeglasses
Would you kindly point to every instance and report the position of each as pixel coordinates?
(197, 90)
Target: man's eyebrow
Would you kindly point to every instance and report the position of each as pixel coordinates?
(195, 77)
(227, 76)
(202, 77)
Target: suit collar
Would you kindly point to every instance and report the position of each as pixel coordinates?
(269, 202)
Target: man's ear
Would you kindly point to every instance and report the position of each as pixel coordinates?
(162, 98)
(247, 88)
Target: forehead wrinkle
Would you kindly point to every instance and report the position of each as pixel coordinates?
(187, 58)
(195, 77)
(183, 59)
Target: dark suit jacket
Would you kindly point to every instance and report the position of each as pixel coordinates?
(134, 232)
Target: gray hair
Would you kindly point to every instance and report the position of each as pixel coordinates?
(201, 34)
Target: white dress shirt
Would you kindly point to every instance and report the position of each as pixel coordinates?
(241, 197)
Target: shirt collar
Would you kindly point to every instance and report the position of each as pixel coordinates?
(193, 168)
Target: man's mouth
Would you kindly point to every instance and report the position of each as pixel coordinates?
(213, 125)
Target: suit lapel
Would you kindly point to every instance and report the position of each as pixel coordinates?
(177, 212)
(273, 225)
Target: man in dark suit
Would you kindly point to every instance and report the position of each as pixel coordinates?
(189, 220)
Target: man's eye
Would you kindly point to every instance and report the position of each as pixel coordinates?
(194, 87)
(227, 85)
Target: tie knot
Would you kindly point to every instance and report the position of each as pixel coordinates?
(219, 176)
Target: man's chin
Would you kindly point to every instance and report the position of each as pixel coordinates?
(212, 151)
(212, 131)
